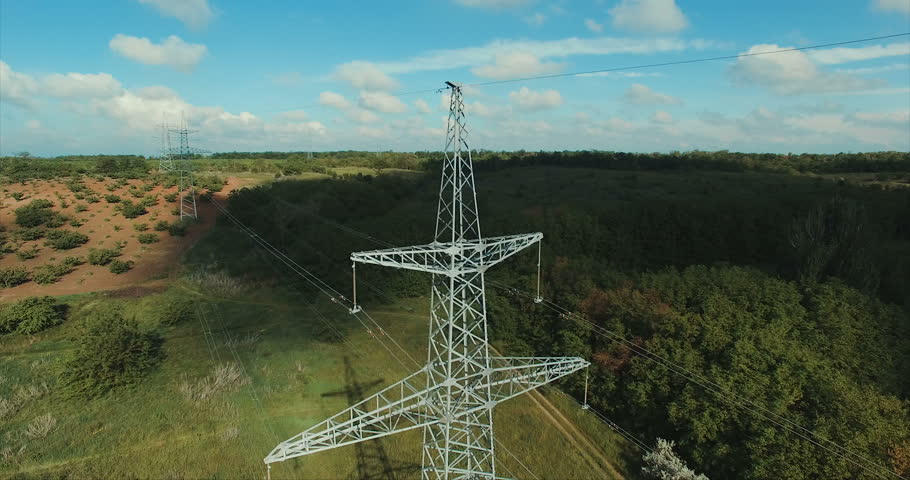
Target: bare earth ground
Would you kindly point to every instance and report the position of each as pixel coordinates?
(156, 260)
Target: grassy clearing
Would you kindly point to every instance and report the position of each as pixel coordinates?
(196, 415)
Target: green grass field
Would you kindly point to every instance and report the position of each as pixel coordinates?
(153, 430)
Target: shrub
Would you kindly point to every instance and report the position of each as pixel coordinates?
(36, 213)
(92, 199)
(17, 195)
(149, 201)
(118, 266)
(73, 261)
(10, 277)
(147, 238)
(28, 254)
(170, 197)
(132, 210)
(140, 227)
(176, 310)
(177, 229)
(30, 315)
(50, 273)
(102, 256)
(112, 199)
(110, 352)
(80, 207)
(161, 226)
(65, 239)
(30, 233)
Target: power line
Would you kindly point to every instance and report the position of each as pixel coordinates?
(630, 67)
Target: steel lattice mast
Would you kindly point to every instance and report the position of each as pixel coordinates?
(166, 161)
(452, 397)
(184, 166)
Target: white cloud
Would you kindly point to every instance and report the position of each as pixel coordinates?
(292, 115)
(364, 75)
(791, 73)
(81, 85)
(421, 106)
(474, 56)
(639, 94)
(593, 26)
(653, 16)
(334, 100)
(620, 74)
(536, 20)
(894, 67)
(847, 54)
(493, 4)
(530, 100)
(292, 129)
(360, 115)
(897, 117)
(488, 111)
(382, 102)
(172, 52)
(661, 116)
(16, 88)
(33, 124)
(195, 13)
(902, 6)
(516, 65)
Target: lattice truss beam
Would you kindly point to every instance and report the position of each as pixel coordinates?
(405, 405)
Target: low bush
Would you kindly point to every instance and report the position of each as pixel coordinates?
(147, 238)
(17, 196)
(92, 199)
(110, 352)
(102, 256)
(119, 266)
(30, 233)
(149, 201)
(30, 315)
(65, 239)
(73, 261)
(176, 310)
(80, 207)
(140, 227)
(112, 199)
(177, 229)
(10, 277)
(37, 212)
(28, 254)
(50, 273)
(170, 197)
(132, 210)
(161, 226)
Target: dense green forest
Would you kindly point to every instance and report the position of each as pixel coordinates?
(787, 290)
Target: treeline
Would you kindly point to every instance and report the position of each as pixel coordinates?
(788, 291)
(293, 163)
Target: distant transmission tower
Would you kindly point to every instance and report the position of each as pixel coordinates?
(166, 161)
(182, 158)
(452, 397)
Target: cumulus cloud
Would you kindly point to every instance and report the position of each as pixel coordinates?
(334, 100)
(421, 106)
(593, 26)
(81, 85)
(792, 73)
(194, 13)
(517, 64)
(897, 117)
(661, 116)
(839, 55)
(652, 16)
(488, 111)
(173, 51)
(382, 102)
(364, 75)
(531, 100)
(493, 4)
(902, 6)
(15, 87)
(639, 94)
(543, 49)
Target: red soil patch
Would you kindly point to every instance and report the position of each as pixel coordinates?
(156, 260)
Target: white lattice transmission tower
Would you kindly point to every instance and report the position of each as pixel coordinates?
(181, 157)
(166, 160)
(452, 397)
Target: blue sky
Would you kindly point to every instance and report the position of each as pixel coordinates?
(98, 76)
